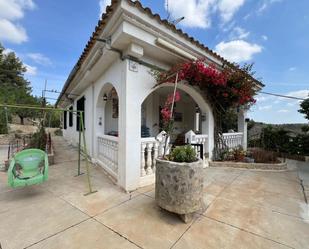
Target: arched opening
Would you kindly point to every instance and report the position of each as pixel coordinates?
(193, 123)
(108, 111)
(191, 113)
(187, 114)
(107, 123)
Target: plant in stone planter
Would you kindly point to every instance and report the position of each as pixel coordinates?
(183, 154)
(179, 175)
(179, 182)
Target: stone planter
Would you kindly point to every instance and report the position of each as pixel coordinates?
(179, 187)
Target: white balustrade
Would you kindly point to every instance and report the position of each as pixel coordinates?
(233, 140)
(108, 153)
(201, 139)
(192, 138)
(150, 150)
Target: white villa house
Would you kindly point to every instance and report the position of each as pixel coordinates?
(112, 84)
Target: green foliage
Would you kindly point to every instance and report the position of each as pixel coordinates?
(52, 119)
(58, 132)
(223, 154)
(304, 108)
(280, 140)
(236, 154)
(3, 123)
(183, 154)
(276, 139)
(15, 89)
(39, 139)
(229, 120)
(250, 124)
(305, 128)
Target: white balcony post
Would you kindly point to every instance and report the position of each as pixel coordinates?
(242, 127)
(155, 155)
(143, 163)
(149, 158)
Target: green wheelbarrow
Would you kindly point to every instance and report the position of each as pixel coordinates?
(28, 167)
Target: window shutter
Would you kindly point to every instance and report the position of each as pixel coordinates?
(71, 116)
(65, 120)
(80, 107)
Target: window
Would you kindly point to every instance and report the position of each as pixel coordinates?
(65, 120)
(80, 107)
(71, 116)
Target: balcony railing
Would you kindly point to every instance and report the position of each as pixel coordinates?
(233, 140)
(108, 154)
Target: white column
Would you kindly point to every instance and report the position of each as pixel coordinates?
(208, 126)
(242, 127)
(129, 129)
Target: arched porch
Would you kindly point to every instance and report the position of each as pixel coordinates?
(106, 129)
(191, 114)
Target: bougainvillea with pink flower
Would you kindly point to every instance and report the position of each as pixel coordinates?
(166, 111)
(223, 88)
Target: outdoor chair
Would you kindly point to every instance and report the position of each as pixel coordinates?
(28, 167)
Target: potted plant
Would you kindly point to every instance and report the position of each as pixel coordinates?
(179, 182)
(179, 175)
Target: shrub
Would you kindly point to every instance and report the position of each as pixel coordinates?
(282, 141)
(223, 155)
(183, 154)
(264, 156)
(238, 154)
(39, 139)
(58, 132)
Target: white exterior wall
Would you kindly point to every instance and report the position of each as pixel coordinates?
(132, 89)
(136, 88)
(71, 134)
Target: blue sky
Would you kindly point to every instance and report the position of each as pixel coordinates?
(50, 35)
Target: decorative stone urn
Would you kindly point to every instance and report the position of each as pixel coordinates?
(179, 187)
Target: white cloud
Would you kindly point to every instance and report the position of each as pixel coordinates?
(265, 4)
(246, 17)
(299, 94)
(228, 26)
(103, 4)
(39, 59)
(11, 32)
(198, 13)
(265, 37)
(265, 107)
(292, 69)
(10, 12)
(238, 50)
(292, 104)
(31, 70)
(239, 33)
(8, 50)
(228, 8)
(260, 99)
(283, 111)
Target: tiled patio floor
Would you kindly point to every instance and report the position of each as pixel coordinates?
(245, 209)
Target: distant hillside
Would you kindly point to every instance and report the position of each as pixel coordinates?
(258, 126)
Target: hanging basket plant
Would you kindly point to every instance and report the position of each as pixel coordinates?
(223, 89)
